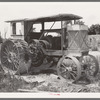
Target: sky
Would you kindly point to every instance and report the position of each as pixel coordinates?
(8, 11)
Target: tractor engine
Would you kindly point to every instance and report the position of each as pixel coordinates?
(37, 51)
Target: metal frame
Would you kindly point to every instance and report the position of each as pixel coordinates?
(42, 20)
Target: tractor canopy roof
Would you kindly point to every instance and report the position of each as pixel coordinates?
(59, 17)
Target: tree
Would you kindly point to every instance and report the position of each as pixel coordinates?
(94, 29)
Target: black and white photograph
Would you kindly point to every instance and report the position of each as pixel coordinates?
(50, 48)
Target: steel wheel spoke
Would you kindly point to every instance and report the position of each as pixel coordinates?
(69, 76)
(15, 66)
(64, 72)
(6, 50)
(14, 48)
(63, 65)
(5, 61)
(66, 75)
(4, 57)
(5, 53)
(73, 75)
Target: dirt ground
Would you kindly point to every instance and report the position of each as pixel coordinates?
(45, 79)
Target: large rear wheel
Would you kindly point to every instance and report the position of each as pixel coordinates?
(13, 56)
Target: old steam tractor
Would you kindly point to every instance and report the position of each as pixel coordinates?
(58, 38)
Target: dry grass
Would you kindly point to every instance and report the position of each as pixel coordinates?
(9, 83)
(12, 83)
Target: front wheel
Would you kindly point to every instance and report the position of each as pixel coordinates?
(90, 65)
(69, 68)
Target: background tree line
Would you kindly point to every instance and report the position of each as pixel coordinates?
(94, 29)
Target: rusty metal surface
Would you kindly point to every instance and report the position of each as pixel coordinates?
(13, 56)
(58, 17)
